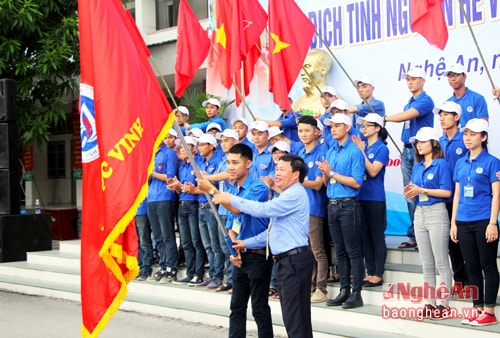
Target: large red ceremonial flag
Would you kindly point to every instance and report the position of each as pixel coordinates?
(192, 47)
(124, 116)
(290, 35)
(427, 19)
(231, 46)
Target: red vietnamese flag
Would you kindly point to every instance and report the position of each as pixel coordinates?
(231, 47)
(427, 19)
(290, 35)
(192, 47)
(123, 115)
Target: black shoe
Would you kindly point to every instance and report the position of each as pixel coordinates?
(353, 301)
(341, 297)
(369, 284)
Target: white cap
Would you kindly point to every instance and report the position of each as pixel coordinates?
(231, 134)
(339, 118)
(476, 125)
(240, 119)
(365, 79)
(426, 134)
(280, 145)
(214, 125)
(197, 132)
(182, 109)
(211, 100)
(449, 107)
(329, 90)
(320, 125)
(456, 68)
(188, 139)
(415, 72)
(274, 131)
(259, 125)
(173, 132)
(339, 104)
(207, 138)
(374, 118)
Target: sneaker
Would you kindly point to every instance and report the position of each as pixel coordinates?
(484, 319)
(195, 281)
(427, 312)
(169, 276)
(214, 284)
(158, 274)
(204, 283)
(182, 281)
(472, 317)
(318, 296)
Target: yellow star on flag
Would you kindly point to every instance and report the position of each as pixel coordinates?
(220, 36)
(279, 45)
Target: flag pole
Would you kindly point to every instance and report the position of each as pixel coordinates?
(462, 8)
(196, 169)
(354, 85)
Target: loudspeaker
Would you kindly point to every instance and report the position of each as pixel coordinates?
(9, 145)
(23, 233)
(8, 93)
(9, 191)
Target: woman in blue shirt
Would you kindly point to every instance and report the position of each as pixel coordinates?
(372, 196)
(474, 222)
(431, 186)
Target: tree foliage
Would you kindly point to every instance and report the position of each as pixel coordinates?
(39, 49)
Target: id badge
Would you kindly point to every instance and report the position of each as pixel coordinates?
(236, 226)
(407, 124)
(423, 198)
(468, 191)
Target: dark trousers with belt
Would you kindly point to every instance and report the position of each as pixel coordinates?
(294, 283)
(251, 280)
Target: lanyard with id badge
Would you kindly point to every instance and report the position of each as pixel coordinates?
(423, 197)
(469, 189)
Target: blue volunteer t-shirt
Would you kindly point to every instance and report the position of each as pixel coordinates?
(186, 174)
(435, 176)
(262, 164)
(166, 162)
(373, 187)
(317, 198)
(473, 106)
(424, 105)
(210, 168)
(377, 105)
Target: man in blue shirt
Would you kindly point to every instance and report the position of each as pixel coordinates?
(417, 114)
(252, 276)
(343, 171)
(240, 126)
(366, 87)
(287, 122)
(212, 108)
(473, 104)
(262, 164)
(288, 241)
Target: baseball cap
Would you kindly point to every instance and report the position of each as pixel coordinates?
(240, 119)
(449, 107)
(365, 79)
(339, 104)
(415, 72)
(259, 125)
(330, 90)
(197, 132)
(274, 131)
(476, 125)
(211, 100)
(339, 118)
(207, 138)
(456, 68)
(231, 134)
(182, 109)
(280, 145)
(426, 134)
(188, 139)
(214, 125)
(374, 118)
(173, 132)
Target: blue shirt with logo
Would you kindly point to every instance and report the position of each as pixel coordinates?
(262, 164)
(473, 106)
(289, 125)
(186, 174)
(210, 167)
(377, 105)
(203, 125)
(435, 176)
(478, 174)
(373, 187)
(424, 105)
(166, 162)
(317, 198)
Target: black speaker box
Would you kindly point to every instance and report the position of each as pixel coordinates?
(8, 93)
(9, 145)
(9, 191)
(23, 233)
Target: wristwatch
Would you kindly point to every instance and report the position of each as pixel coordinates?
(212, 191)
(331, 174)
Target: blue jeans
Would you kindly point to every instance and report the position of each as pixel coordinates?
(345, 229)
(225, 250)
(210, 237)
(161, 218)
(189, 231)
(407, 162)
(373, 224)
(145, 254)
(251, 281)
